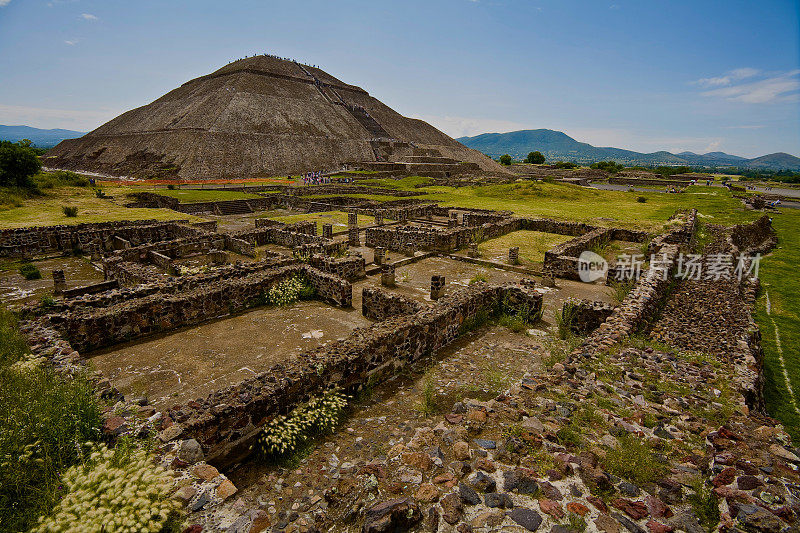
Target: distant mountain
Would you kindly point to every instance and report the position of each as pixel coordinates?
(558, 146)
(777, 160)
(40, 138)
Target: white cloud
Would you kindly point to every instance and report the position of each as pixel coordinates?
(71, 42)
(40, 117)
(728, 78)
(4, 2)
(89, 16)
(468, 126)
(777, 88)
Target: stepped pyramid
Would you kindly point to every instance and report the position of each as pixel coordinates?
(264, 116)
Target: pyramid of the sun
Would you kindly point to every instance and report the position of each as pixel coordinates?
(264, 116)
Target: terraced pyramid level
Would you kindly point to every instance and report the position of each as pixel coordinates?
(264, 116)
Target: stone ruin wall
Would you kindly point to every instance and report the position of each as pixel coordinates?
(92, 328)
(349, 268)
(561, 261)
(378, 304)
(404, 238)
(633, 181)
(587, 315)
(643, 303)
(30, 242)
(227, 421)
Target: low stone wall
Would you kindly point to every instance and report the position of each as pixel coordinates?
(682, 233)
(93, 328)
(227, 422)
(412, 238)
(587, 315)
(378, 304)
(477, 218)
(648, 182)
(639, 307)
(290, 237)
(90, 289)
(220, 207)
(153, 281)
(129, 273)
(174, 249)
(757, 237)
(350, 268)
(108, 236)
(642, 304)
(561, 261)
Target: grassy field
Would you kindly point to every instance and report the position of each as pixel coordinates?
(193, 196)
(46, 210)
(569, 202)
(532, 246)
(408, 183)
(780, 323)
(337, 218)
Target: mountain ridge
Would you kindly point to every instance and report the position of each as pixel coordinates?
(42, 138)
(557, 145)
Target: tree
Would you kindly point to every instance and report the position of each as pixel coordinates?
(565, 164)
(535, 157)
(18, 164)
(505, 159)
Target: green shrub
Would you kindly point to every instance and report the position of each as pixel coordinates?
(641, 199)
(565, 164)
(480, 277)
(70, 211)
(705, 505)
(619, 289)
(60, 178)
(98, 192)
(505, 159)
(565, 320)
(171, 186)
(13, 345)
(114, 490)
(18, 165)
(634, 460)
(47, 301)
(29, 271)
(45, 420)
(428, 404)
(290, 290)
(283, 435)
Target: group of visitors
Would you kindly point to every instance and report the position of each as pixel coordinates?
(320, 178)
(315, 178)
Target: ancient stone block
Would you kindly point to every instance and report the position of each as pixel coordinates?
(437, 287)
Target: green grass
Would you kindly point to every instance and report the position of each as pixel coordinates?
(532, 246)
(46, 209)
(571, 202)
(193, 196)
(325, 217)
(408, 183)
(377, 197)
(633, 459)
(43, 421)
(779, 280)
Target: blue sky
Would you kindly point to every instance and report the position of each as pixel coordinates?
(638, 74)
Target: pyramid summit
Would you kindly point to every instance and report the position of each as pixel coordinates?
(263, 116)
